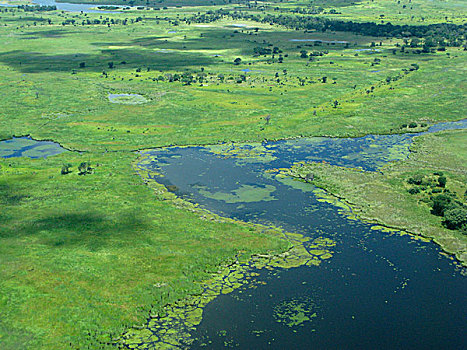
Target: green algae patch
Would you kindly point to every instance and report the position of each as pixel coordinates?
(294, 312)
(243, 194)
(244, 153)
(172, 328)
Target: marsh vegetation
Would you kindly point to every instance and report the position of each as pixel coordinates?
(90, 248)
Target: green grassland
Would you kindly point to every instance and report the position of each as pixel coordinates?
(71, 103)
(84, 256)
(379, 11)
(384, 197)
(88, 253)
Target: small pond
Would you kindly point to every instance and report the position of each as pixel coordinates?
(27, 147)
(127, 99)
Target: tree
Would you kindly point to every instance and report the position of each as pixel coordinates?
(441, 203)
(82, 64)
(455, 218)
(65, 169)
(187, 78)
(442, 181)
(237, 61)
(110, 64)
(84, 168)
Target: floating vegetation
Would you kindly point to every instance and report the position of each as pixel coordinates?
(294, 312)
(243, 194)
(173, 327)
(245, 153)
(127, 99)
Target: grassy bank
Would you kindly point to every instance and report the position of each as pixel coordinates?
(384, 197)
(83, 256)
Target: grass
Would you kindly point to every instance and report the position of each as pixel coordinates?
(383, 197)
(82, 255)
(72, 107)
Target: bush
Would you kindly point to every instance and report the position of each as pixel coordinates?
(442, 181)
(84, 168)
(414, 190)
(415, 180)
(441, 203)
(65, 169)
(455, 218)
(413, 125)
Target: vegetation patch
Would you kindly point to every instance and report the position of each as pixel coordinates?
(294, 312)
(245, 194)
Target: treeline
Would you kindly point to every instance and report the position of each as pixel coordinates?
(37, 8)
(443, 34)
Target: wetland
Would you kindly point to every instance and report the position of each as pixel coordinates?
(230, 174)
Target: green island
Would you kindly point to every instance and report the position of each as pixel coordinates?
(90, 247)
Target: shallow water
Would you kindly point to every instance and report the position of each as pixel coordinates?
(130, 99)
(27, 147)
(379, 290)
(64, 6)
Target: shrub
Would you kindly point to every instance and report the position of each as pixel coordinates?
(442, 181)
(414, 190)
(455, 218)
(415, 180)
(441, 203)
(65, 169)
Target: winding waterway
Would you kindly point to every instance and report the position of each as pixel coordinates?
(379, 290)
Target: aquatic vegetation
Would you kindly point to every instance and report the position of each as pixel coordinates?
(294, 312)
(383, 197)
(85, 257)
(245, 152)
(245, 193)
(173, 326)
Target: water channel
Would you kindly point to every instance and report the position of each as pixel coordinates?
(379, 290)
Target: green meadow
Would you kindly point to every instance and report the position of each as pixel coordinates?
(85, 257)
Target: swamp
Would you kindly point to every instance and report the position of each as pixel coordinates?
(188, 174)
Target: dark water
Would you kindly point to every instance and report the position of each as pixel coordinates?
(378, 291)
(27, 147)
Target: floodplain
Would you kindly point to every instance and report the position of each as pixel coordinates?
(95, 245)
